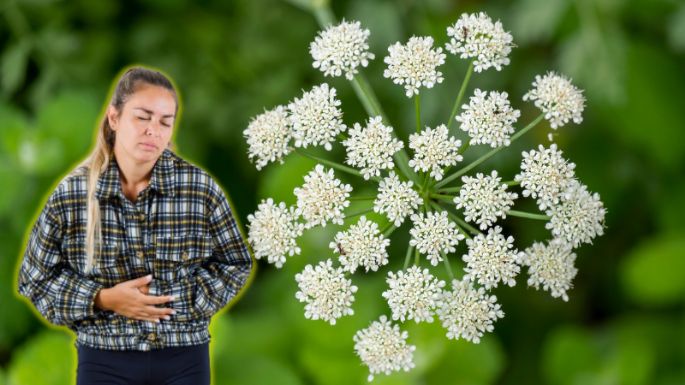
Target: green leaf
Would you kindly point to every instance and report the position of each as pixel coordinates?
(569, 355)
(605, 78)
(279, 180)
(13, 62)
(71, 119)
(651, 116)
(466, 363)
(676, 29)
(536, 20)
(652, 273)
(51, 351)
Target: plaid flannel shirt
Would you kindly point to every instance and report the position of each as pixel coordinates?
(181, 229)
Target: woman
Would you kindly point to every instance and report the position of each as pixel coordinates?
(137, 248)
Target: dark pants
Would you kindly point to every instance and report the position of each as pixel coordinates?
(184, 365)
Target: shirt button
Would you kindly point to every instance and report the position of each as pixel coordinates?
(140, 254)
(151, 337)
(184, 255)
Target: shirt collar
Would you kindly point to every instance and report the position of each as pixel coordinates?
(162, 179)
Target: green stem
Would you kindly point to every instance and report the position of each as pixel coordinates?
(488, 154)
(459, 221)
(358, 213)
(417, 105)
(523, 214)
(323, 15)
(446, 261)
(335, 165)
(447, 198)
(389, 230)
(512, 183)
(450, 189)
(416, 257)
(362, 198)
(462, 89)
(407, 258)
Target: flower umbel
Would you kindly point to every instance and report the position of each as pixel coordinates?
(579, 217)
(273, 232)
(560, 100)
(492, 259)
(467, 312)
(396, 199)
(361, 245)
(484, 199)
(433, 234)
(488, 118)
(383, 348)
(341, 49)
(414, 64)
(267, 136)
(545, 174)
(328, 294)
(371, 148)
(551, 266)
(413, 294)
(316, 117)
(433, 150)
(475, 36)
(322, 198)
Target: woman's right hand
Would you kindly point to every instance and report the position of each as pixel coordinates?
(130, 299)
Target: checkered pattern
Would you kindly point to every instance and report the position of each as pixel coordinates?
(181, 229)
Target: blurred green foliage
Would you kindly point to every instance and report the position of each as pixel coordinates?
(625, 322)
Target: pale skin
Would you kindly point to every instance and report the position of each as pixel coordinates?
(143, 130)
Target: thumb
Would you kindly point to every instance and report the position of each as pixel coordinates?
(142, 281)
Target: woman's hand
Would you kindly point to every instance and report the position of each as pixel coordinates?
(130, 299)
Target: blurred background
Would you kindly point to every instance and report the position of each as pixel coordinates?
(625, 321)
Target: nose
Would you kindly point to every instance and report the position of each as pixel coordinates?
(152, 128)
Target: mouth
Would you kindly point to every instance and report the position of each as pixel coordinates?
(149, 146)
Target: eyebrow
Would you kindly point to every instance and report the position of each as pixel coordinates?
(150, 112)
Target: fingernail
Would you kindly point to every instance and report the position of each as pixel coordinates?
(173, 311)
(166, 317)
(157, 320)
(172, 298)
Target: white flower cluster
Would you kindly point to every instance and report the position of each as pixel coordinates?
(488, 118)
(414, 64)
(322, 198)
(341, 49)
(579, 217)
(467, 312)
(316, 118)
(560, 100)
(433, 150)
(328, 294)
(484, 199)
(371, 148)
(413, 294)
(267, 136)
(396, 199)
(383, 348)
(475, 36)
(551, 266)
(573, 215)
(545, 174)
(361, 245)
(273, 232)
(433, 234)
(492, 259)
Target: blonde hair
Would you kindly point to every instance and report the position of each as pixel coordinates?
(98, 160)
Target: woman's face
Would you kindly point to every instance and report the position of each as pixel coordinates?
(144, 126)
